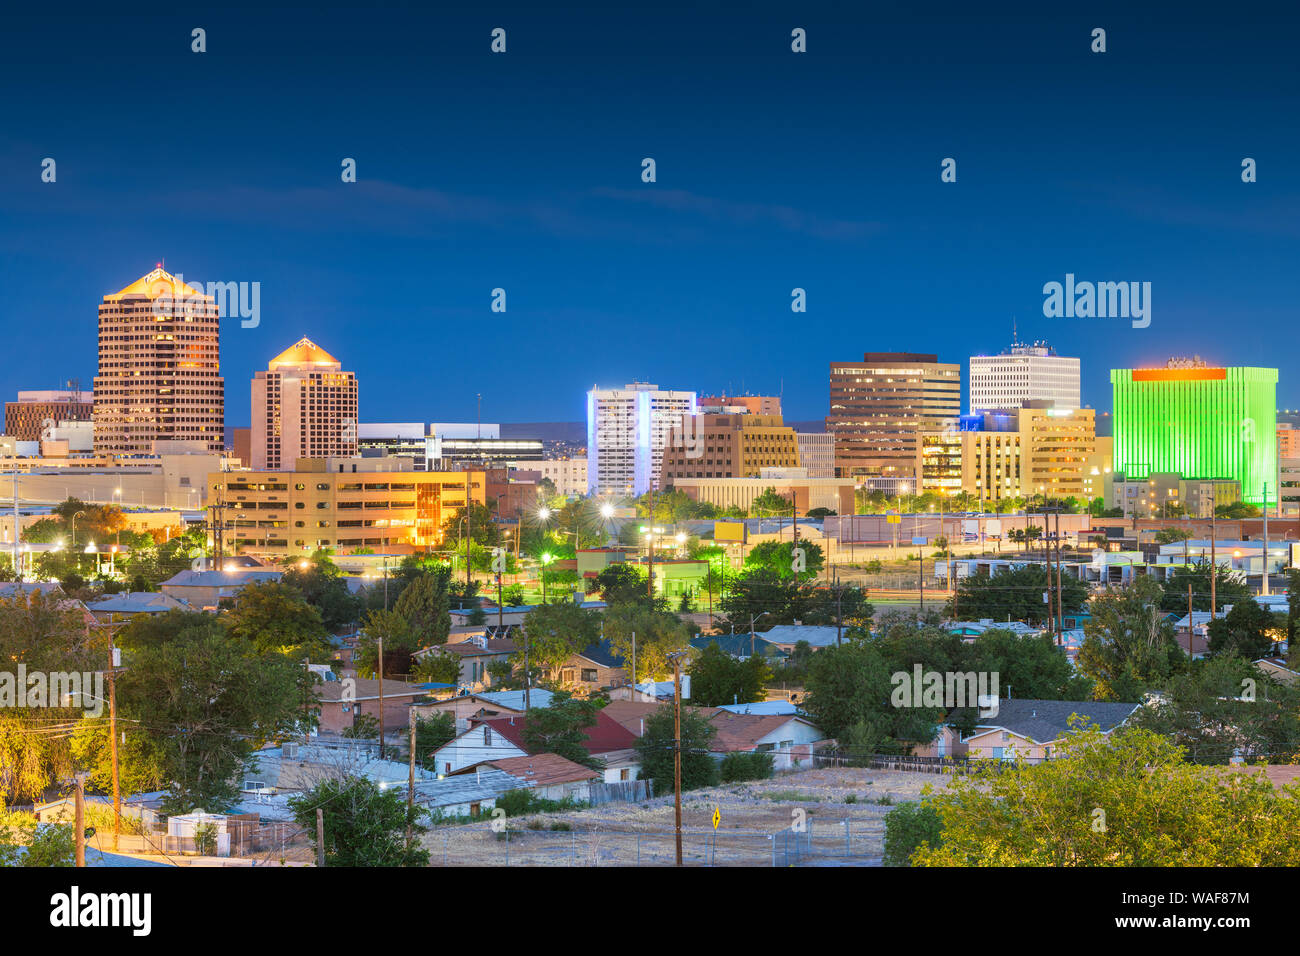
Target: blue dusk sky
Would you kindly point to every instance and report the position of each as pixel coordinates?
(775, 170)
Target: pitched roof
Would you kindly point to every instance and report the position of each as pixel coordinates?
(304, 352)
(155, 285)
(736, 731)
(602, 653)
(366, 688)
(217, 579)
(494, 647)
(1043, 721)
(544, 770)
(739, 645)
(604, 736)
(136, 602)
(815, 635)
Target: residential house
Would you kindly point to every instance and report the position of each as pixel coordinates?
(342, 701)
(1276, 668)
(204, 590)
(1035, 728)
(551, 776)
(113, 608)
(787, 636)
(485, 705)
(475, 656)
(598, 667)
(742, 646)
(790, 738)
(503, 737)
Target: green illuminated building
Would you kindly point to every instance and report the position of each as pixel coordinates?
(1199, 422)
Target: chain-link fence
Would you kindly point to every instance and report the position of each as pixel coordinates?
(847, 842)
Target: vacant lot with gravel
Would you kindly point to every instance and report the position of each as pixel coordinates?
(809, 817)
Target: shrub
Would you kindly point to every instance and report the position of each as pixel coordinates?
(908, 827)
(737, 767)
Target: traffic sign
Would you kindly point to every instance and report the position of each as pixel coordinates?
(717, 817)
(893, 519)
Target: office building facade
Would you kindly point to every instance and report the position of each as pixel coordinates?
(35, 413)
(881, 406)
(1200, 422)
(304, 406)
(728, 446)
(1023, 374)
(627, 431)
(159, 368)
(343, 503)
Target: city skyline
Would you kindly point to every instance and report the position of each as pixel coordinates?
(522, 175)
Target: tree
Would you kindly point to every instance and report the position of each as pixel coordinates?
(778, 557)
(437, 667)
(1127, 799)
(1248, 631)
(623, 584)
(425, 603)
(908, 827)
(561, 729)
(1033, 665)
(1229, 588)
(1128, 645)
(770, 503)
(431, 734)
(364, 824)
(718, 678)
(555, 633)
(849, 690)
(40, 634)
(658, 634)
(323, 586)
(273, 618)
(1017, 595)
(398, 639)
(656, 748)
(208, 706)
(1226, 708)
(746, 765)
(477, 522)
(45, 844)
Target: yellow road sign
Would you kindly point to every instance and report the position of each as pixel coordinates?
(893, 519)
(717, 817)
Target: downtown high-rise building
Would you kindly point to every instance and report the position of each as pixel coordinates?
(881, 407)
(627, 431)
(304, 406)
(1020, 375)
(159, 368)
(1199, 422)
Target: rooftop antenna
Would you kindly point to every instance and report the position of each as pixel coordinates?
(1015, 337)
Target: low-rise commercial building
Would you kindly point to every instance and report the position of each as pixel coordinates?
(346, 504)
(835, 494)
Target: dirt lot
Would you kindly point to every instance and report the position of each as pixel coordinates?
(797, 818)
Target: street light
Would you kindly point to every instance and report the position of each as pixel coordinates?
(547, 558)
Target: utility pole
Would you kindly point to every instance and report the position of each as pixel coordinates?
(320, 836)
(79, 819)
(528, 673)
(1214, 564)
(500, 610)
(1264, 590)
(839, 611)
(1189, 619)
(1060, 591)
(633, 664)
(410, 780)
(677, 751)
(112, 736)
(381, 696)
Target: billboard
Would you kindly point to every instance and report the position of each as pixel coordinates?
(729, 531)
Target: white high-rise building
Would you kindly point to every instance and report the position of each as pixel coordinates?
(627, 429)
(1023, 373)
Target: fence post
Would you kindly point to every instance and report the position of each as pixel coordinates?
(638, 849)
(444, 847)
(772, 837)
(848, 843)
(507, 846)
(573, 847)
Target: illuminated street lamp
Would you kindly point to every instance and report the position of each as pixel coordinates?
(547, 558)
